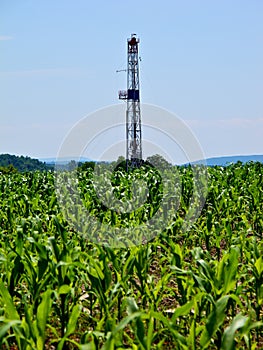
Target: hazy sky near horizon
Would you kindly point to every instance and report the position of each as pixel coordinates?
(202, 60)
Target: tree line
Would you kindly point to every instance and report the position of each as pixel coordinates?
(11, 163)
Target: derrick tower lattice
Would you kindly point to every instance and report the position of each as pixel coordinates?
(133, 111)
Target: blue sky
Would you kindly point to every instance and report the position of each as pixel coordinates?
(202, 60)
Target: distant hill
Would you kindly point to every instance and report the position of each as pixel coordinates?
(223, 161)
(64, 161)
(21, 163)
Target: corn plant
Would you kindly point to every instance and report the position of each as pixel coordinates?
(200, 288)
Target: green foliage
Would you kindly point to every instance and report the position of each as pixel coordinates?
(196, 289)
(7, 169)
(86, 166)
(11, 163)
(159, 162)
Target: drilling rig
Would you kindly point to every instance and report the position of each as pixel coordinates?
(133, 111)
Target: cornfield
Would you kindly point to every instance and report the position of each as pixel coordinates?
(200, 288)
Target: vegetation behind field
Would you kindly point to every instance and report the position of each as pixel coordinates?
(11, 163)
